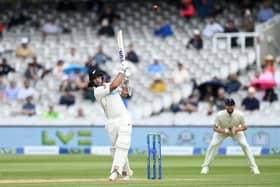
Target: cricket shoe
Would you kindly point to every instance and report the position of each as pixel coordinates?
(114, 176)
(255, 171)
(127, 175)
(204, 170)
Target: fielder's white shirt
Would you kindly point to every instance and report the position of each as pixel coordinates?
(111, 102)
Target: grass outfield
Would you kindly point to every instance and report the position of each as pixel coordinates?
(92, 171)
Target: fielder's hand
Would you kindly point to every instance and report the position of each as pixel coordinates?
(234, 130)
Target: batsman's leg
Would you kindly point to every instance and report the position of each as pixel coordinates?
(241, 139)
(217, 139)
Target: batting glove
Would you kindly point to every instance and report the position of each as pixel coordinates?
(124, 67)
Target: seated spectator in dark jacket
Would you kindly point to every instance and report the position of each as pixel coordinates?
(231, 28)
(189, 105)
(67, 98)
(30, 73)
(204, 8)
(187, 9)
(106, 21)
(196, 41)
(251, 103)
(163, 30)
(270, 95)
(233, 85)
(219, 102)
(265, 12)
(28, 107)
(131, 55)
(5, 68)
(40, 70)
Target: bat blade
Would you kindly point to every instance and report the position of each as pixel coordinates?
(120, 45)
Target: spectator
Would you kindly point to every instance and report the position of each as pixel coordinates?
(265, 12)
(106, 21)
(212, 27)
(30, 73)
(1, 30)
(248, 25)
(158, 85)
(24, 51)
(18, 18)
(5, 68)
(58, 69)
(88, 94)
(66, 84)
(91, 63)
(209, 95)
(28, 108)
(204, 8)
(106, 29)
(218, 102)
(75, 76)
(269, 64)
(39, 69)
(189, 105)
(26, 91)
(179, 75)
(233, 84)
(131, 55)
(67, 98)
(73, 57)
(11, 91)
(187, 9)
(270, 95)
(82, 83)
(51, 114)
(108, 14)
(100, 57)
(50, 28)
(196, 41)
(231, 28)
(155, 67)
(164, 29)
(251, 103)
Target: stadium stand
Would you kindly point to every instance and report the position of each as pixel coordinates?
(138, 22)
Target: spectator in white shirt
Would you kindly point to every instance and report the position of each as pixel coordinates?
(212, 27)
(179, 75)
(50, 28)
(11, 91)
(26, 91)
(73, 57)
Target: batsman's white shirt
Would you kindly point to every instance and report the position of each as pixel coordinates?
(111, 102)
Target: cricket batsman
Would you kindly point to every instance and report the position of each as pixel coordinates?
(229, 123)
(118, 121)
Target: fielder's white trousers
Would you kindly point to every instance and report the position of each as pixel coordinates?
(218, 138)
(119, 131)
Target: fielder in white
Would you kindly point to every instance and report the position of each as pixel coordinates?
(229, 123)
(118, 124)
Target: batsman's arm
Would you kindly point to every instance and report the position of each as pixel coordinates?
(119, 78)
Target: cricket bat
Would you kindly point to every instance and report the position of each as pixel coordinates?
(120, 45)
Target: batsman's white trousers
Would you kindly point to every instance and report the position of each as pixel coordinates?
(218, 139)
(119, 131)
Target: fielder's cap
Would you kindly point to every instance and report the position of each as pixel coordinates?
(230, 102)
(24, 40)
